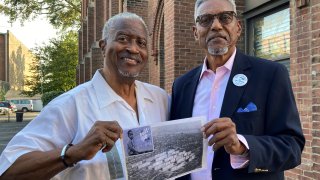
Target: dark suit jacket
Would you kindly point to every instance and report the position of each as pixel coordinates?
(273, 132)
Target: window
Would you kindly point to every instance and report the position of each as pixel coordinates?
(272, 36)
(15, 101)
(269, 34)
(25, 101)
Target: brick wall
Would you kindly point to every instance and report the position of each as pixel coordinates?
(139, 7)
(187, 53)
(91, 26)
(97, 59)
(84, 25)
(155, 24)
(106, 10)
(87, 67)
(84, 6)
(169, 62)
(240, 9)
(114, 7)
(2, 58)
(79, 57)
(304, 71)
(94, 14)
(99, 17)
(161, 53)
(81, 73)
(78, 75)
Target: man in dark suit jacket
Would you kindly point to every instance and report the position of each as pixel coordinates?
(254, 129)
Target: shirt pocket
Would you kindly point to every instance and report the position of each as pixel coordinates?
(249, 122)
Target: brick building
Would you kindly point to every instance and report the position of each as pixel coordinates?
(286, 31)
(15, 60)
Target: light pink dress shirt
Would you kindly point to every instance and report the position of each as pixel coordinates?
(208, 101)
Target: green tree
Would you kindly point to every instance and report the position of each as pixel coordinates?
(61, 14)
(54, 68)
(4, 88)
(2, 94)
(49, 96)
(61, 67)
(34, 82)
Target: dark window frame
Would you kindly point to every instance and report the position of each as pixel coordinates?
(262, 11)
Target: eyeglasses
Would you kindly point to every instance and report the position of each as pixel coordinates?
(224, 18)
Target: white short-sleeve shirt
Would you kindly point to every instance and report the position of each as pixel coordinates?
(69, 117)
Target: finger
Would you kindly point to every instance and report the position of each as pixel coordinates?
(217, 137)
(109, 143)
(230, 143)
(215, 128)
(207, 125)
(99, 138)
(224, 121)
(99, 134)
(217, 120)
(222, 143)
(112, 126)
(103, 146)
(112, 135)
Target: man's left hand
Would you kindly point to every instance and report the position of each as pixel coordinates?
(224, 134)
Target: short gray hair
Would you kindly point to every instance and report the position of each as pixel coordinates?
(107, 29)
(199, 2)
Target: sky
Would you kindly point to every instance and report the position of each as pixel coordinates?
(31, 33)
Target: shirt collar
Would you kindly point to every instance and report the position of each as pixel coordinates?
(106, 95)
(227, 65)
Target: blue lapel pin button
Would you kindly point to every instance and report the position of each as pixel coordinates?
(240, 80)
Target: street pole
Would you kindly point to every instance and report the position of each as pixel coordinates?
(8, 116)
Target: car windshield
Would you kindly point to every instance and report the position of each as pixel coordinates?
(5, 104)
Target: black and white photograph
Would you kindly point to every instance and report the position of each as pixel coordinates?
(138, 140)
(179, 149)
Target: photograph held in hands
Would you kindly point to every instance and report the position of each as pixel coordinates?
(165, 150)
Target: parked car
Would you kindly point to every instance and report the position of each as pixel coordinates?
(23, 104)
(4, 110)
(7, 107)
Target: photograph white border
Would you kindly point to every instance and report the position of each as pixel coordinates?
(177, 124)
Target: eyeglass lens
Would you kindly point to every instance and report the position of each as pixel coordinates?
(207, 19)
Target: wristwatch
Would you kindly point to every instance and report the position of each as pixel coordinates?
(63, 155)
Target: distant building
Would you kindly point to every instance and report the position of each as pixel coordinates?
(15, 61)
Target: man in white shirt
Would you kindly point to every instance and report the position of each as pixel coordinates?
(70, 137)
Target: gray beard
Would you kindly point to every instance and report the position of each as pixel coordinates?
(128, 75)
(218, 51)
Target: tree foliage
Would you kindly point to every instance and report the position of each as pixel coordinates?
(2, 94)
(54, 68)
(61, 14)
(4, 88)
(49, 96)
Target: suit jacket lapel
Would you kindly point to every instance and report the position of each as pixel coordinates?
(190, 88)
(233, 93)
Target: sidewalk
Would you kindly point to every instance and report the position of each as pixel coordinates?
(9, 128)
(28, 116)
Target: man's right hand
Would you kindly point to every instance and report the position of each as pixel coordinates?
(103, 134)
(48, 163)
